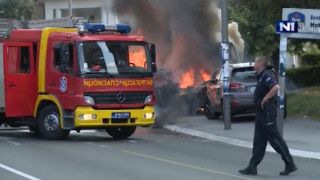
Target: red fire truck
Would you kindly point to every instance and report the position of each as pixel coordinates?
(74, 76)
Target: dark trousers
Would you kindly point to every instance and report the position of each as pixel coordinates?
(266, 130)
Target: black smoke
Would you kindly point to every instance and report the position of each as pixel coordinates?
(187, 35)
(183, 31)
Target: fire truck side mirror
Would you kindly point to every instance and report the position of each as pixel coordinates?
(153, 57)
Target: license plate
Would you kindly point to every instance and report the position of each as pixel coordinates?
(251, 88)
(120, 115)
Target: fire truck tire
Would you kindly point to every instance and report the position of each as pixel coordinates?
(49, 124)
(121, 132)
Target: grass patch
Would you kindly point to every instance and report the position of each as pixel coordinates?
(304, 102)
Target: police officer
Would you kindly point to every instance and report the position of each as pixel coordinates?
(266, 129)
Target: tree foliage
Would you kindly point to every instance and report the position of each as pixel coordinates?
(16, 9)
(256, 19)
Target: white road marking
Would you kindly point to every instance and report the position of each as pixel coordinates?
(27, 176)
(5, 138)
(236, 142)
(12, 142)
(100, 145)
(185, 165)
(9, 140)
(104, 146)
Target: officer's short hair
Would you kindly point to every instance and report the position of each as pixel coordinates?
(263, 60)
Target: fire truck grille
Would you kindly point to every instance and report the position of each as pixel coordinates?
(119, 97)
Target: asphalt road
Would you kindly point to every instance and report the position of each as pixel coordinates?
(149, 154)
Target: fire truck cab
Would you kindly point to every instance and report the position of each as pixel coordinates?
(72, 77)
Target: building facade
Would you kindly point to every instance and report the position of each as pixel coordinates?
(94, 10)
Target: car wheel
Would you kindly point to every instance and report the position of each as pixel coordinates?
(49, 124)
(208, 113)
(121, 132)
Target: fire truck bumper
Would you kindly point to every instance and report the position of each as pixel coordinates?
(87, 117)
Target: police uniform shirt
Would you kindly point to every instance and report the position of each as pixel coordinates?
(264, 84)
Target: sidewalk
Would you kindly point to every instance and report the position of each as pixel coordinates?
(301, 135)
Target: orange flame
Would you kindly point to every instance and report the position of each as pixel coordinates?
(138, 58)
(187, 79)
(205, 76)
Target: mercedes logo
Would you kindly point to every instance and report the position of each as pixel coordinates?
(121, 97)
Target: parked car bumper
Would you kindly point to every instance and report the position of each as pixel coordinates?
(242, 106)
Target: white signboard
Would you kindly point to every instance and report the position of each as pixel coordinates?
(308, 19)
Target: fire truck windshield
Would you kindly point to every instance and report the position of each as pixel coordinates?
(117, 59)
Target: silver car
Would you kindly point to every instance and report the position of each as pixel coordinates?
(243, 80)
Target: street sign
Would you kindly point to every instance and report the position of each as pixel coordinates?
(308, 19)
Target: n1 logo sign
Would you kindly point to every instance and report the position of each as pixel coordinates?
(286, 26)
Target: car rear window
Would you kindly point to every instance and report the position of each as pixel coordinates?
(244, 74)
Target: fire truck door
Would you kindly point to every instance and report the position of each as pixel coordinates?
(20, 79)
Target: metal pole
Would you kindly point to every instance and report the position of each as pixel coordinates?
(282, 78)
(70, 8)
(225, 58)
(282, 82)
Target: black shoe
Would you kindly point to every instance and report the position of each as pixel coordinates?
(250, 170)
(289, 169)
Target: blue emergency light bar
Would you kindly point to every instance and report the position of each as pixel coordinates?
(96, 27)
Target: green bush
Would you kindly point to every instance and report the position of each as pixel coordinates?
(305, 76)
(310, 59)
(304, 103)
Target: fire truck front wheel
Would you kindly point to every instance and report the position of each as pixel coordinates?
(49, 124)
(121, 132)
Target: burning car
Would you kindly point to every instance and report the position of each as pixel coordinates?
(192, 100)
(173, 97)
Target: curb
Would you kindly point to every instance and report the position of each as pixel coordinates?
(236, 142)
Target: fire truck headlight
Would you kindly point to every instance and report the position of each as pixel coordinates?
(88, 100)
(148, 99)
(87, 116)
(148, 115)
